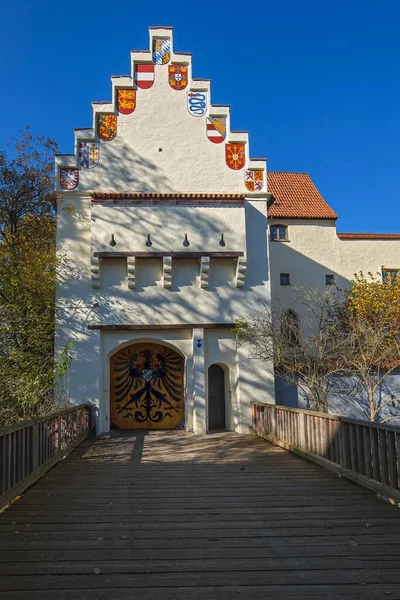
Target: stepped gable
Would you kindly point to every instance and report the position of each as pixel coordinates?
(160, 133)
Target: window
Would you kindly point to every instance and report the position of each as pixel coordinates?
(290, 327)
(390, 274)
(329, 280)
(285, 278)
(278, 233)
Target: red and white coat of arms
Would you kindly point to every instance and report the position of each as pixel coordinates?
(144, 76)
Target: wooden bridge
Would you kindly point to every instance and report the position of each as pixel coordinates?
(172, 516)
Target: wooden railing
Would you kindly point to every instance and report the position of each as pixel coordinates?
(363, 451)
(30, 448)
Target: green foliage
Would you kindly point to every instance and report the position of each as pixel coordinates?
(28, 265)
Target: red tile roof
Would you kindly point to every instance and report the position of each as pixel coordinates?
(295, 196)
(369, 236)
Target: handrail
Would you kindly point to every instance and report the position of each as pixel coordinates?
(332, 417)
(30, 448)
(363, 451)
(23, 424)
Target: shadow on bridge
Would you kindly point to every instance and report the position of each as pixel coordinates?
(169, 515)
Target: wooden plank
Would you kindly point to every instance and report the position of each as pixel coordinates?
(227, 592)
(383, 458)
(113, 553)
(220, 512)
(16, 542)
(392, 460)
(256, 592)
(384, 491)
(248, 578)
(206, 566)
(367, 470)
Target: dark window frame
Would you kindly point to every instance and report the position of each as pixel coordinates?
(282, 277)
(277, 228)
(330, 279)
(392, 273)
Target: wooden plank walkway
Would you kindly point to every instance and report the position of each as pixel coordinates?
(172, 516)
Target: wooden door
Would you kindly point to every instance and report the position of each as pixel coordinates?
(216, 398)
(146, 389)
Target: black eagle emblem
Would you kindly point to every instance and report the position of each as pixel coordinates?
(148, 383)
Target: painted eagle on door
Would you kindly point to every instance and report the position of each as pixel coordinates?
(146, 387)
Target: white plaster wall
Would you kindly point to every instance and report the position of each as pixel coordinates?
(167, 226)
(150, 302)
(188, 162)
(75, 300)
(161, 148)
(78, 305)
(314, 250)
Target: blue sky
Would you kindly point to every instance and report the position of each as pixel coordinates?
(316, 83)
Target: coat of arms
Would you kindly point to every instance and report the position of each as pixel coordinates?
(69, 178)
(161, 51)
(147, 387)
(88, 154)
(216, 129)
(197, 103)
(235, 156)
(126, 101)
(106, 127)
(178, 76)
(254, 180)
(144, 76)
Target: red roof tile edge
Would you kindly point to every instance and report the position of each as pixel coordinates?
(100, 196)
(369, 236)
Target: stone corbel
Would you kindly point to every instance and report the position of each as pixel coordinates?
(241, 271)
(167, 272)
(204, 271)
(131, 266)
(95, 271)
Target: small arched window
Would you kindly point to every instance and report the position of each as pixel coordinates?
(278, 233)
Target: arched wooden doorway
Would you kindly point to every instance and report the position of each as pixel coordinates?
(216, 398)
(146, 390)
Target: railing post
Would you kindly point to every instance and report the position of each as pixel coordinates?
(344, 446)
(302, 431)
(59, 432)
(35, 446)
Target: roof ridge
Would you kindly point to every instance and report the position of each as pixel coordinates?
(291, 172)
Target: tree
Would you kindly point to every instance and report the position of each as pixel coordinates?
(371, 318)
(27, 279)
(304, 353)
(26, 183)
(347, 343)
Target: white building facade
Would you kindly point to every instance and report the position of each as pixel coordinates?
(162, 231)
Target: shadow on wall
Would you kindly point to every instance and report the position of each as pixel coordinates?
(306, 272)
(288, 394)
(123, 169)
(118, 304)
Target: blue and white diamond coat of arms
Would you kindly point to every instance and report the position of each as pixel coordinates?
(161, 51)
